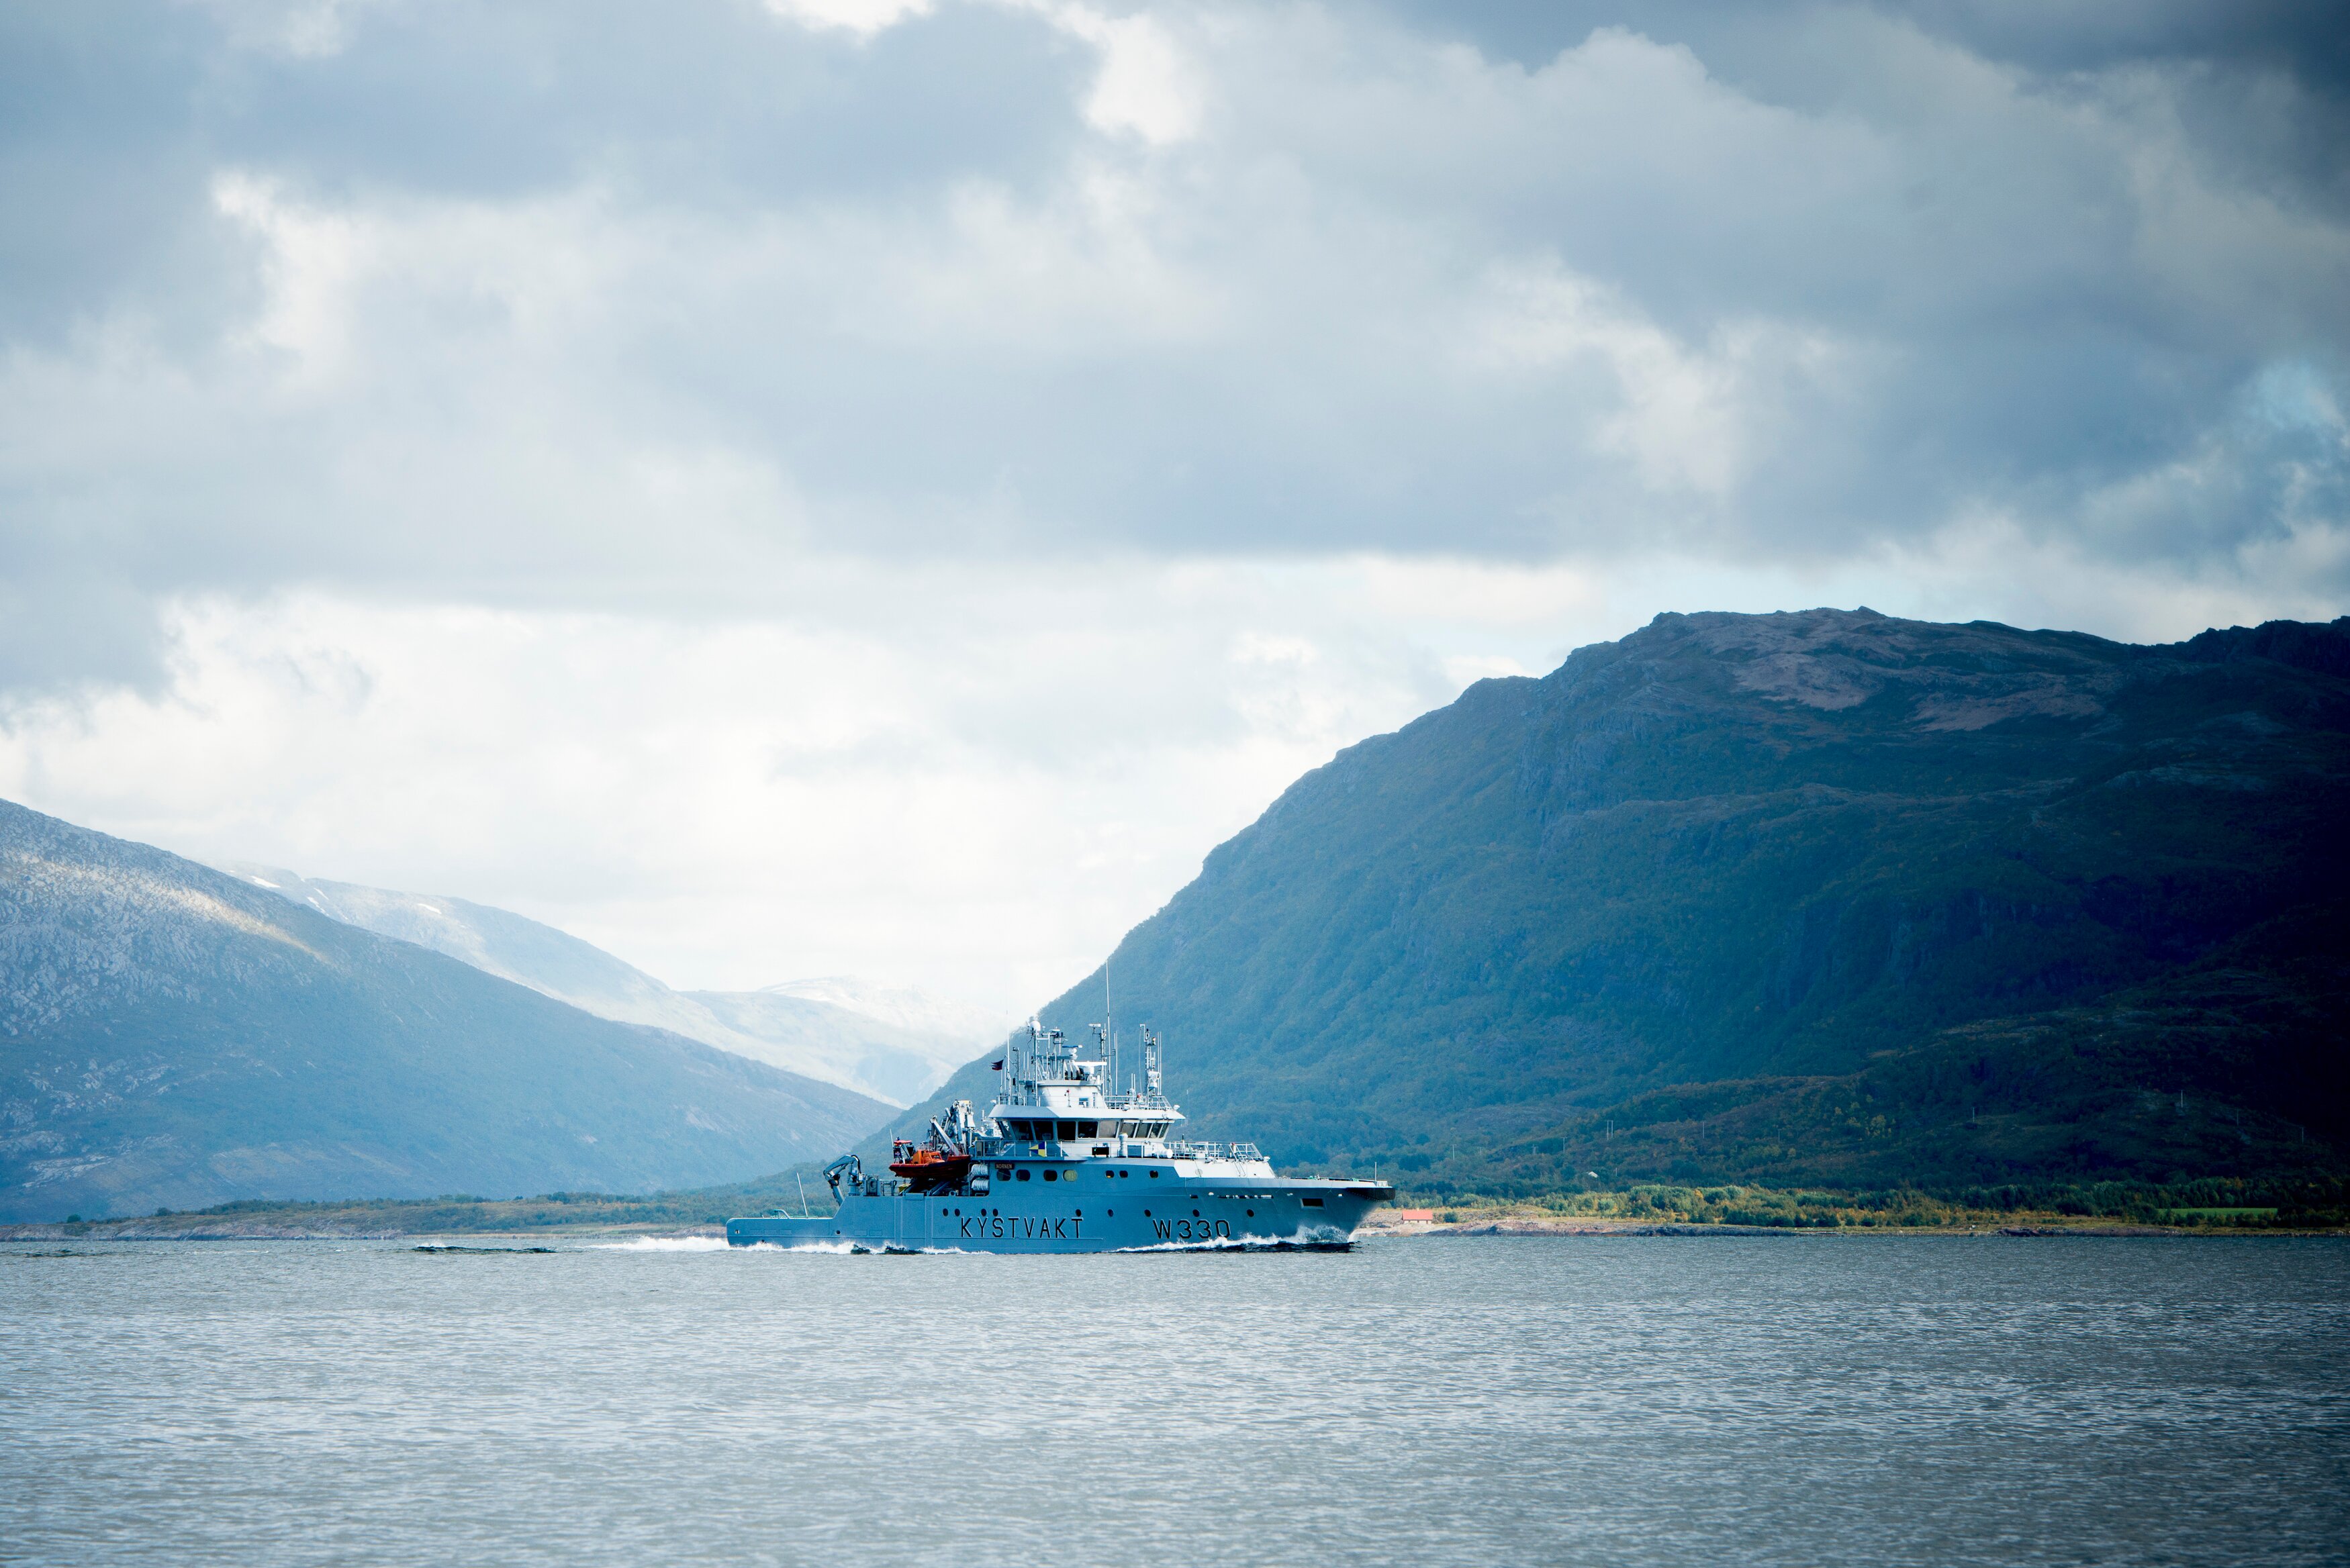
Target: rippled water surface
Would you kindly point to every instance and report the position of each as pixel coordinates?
(1813, 1400)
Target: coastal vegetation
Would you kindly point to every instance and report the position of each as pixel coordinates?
(2217, 1204)
(457, 1213)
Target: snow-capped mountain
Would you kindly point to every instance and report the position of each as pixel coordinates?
(171, 1035)
(906, 1007)
(894, 1044)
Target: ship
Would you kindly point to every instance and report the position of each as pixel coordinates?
(1064, 1160)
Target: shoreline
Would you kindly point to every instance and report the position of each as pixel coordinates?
(1542, 1225)
(229, 1231)
(1504, 1226)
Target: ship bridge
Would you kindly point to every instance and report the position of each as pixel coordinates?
(1053, 1103)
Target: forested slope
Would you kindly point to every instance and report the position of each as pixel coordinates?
(1818, 896)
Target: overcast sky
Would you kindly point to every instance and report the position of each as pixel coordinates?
(881, 487)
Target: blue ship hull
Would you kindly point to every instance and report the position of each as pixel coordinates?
(1093, 1214)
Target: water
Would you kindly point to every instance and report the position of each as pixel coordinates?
(1805, 1401)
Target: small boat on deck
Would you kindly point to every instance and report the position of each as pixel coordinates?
(928, 1166)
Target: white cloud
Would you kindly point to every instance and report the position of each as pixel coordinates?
(312, 260)
(889, 486)
(1147, 86)
(864, 18)
(969, 779)
(1687, 416)
(298, 29)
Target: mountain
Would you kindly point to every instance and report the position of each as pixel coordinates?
(907, 1007)
(901, 1064)
(894, 1046)
(170, 1035)
(1825, 898)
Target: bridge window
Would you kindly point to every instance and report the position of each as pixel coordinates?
(1068, 1131)
(1085, 1129)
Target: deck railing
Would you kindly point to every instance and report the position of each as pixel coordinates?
(1186, 1150)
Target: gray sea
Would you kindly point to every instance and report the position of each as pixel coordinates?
(1806, 1400)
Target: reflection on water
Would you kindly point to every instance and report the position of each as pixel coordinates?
(1803, 1401)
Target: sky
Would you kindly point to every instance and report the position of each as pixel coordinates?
(882, 486)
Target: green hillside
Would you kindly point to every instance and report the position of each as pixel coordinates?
(1822, 898)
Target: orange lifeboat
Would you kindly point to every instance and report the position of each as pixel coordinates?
(926, 1167)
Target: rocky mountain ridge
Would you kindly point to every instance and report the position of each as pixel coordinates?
(1825, 896)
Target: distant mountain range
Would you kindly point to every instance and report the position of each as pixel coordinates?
(173, 1035)
(1825, 898)
(894, 1044)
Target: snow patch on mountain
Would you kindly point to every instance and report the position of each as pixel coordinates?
(895, 1043)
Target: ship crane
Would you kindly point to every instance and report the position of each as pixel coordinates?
(849, 1168)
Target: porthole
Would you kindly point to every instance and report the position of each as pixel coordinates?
(1252, 1213)
(1023, 1173)
(1154, 1176)
(1051, 1174)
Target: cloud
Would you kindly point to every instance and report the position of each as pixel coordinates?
(1146, 85)
(969, 776)
(863, 18)
(1044, 380)
(1285, 280)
